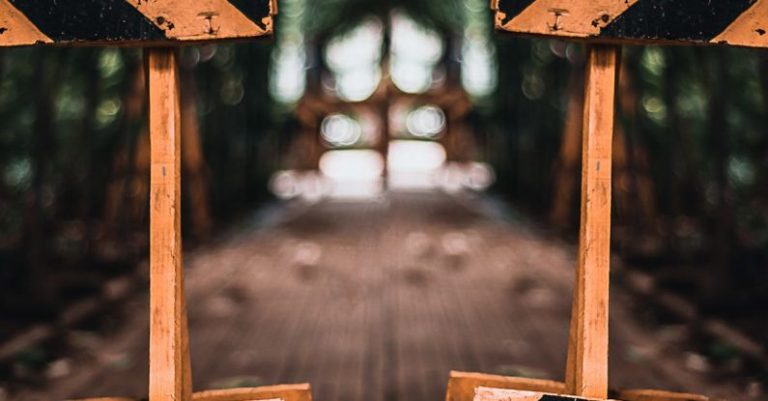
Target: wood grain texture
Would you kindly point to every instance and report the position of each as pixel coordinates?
(17, 28)
(462, 385)
(105, 399)
(169, 365)
(497, 394)
(686, 22)
(284, 392)
(132, 22)
(587, 365)
(749, 29)
(202, 20)
(658, 395)
(561, 18)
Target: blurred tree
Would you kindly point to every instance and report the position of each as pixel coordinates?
(74, 150)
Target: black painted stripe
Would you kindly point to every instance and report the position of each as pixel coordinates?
(512, 8)
(691, 20)
(255, 10)
(89, 20)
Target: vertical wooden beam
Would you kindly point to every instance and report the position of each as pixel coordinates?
(587, 367)
(169, 363)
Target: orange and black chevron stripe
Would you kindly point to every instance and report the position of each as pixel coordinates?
(728, 22)
(73, 22)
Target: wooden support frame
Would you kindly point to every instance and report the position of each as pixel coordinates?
(132, 22)
(681, 22)
(586, 373)
(462, 386)
(107, 399)
(162, 23)
(169, 363)
(170, 371)
(587, 366)
(658, 395)
(169, 357)
(285, 392)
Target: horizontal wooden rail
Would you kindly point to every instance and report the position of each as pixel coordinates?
(658, 395)
(106, 399)
(285, 392)
(462, 385)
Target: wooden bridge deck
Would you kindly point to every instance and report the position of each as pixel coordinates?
(378, 301)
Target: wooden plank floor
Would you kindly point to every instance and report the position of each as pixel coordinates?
(378, 301)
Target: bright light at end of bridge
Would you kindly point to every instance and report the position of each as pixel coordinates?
(426, 122)
(355, 59)
(360, 164)
(415, 52)
(340, 130)
(414, 165)
(353, 174)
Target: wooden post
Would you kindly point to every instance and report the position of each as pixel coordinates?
(587, 367)
(169, 362)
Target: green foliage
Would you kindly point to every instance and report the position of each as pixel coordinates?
(329, 17)
(700, 120)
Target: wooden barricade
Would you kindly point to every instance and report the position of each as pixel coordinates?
(603, 25)
(161, 23)
(462, 386)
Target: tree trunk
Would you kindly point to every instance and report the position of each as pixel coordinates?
(567, 165)
(633, 182)
(35, 238)
(122, 166)
(86, 157)
(193, 159)
(721, 231)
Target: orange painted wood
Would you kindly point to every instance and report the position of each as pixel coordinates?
(18, 29)
(169, 365)
(562, 18)
(498, 394)
(462, 385)
(203, 19)
(285, 392)
(105, 399)
(132, 22)
(587, 366)
(658, 395)
(681, 22)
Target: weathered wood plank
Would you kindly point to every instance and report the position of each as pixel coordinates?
(497, 394)
(729, 22)
(462, 385)
(88, 22)
(106, 399)
(466, 386)
(587, 366)
(658, 395)
(169, 378)
(284, 392)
